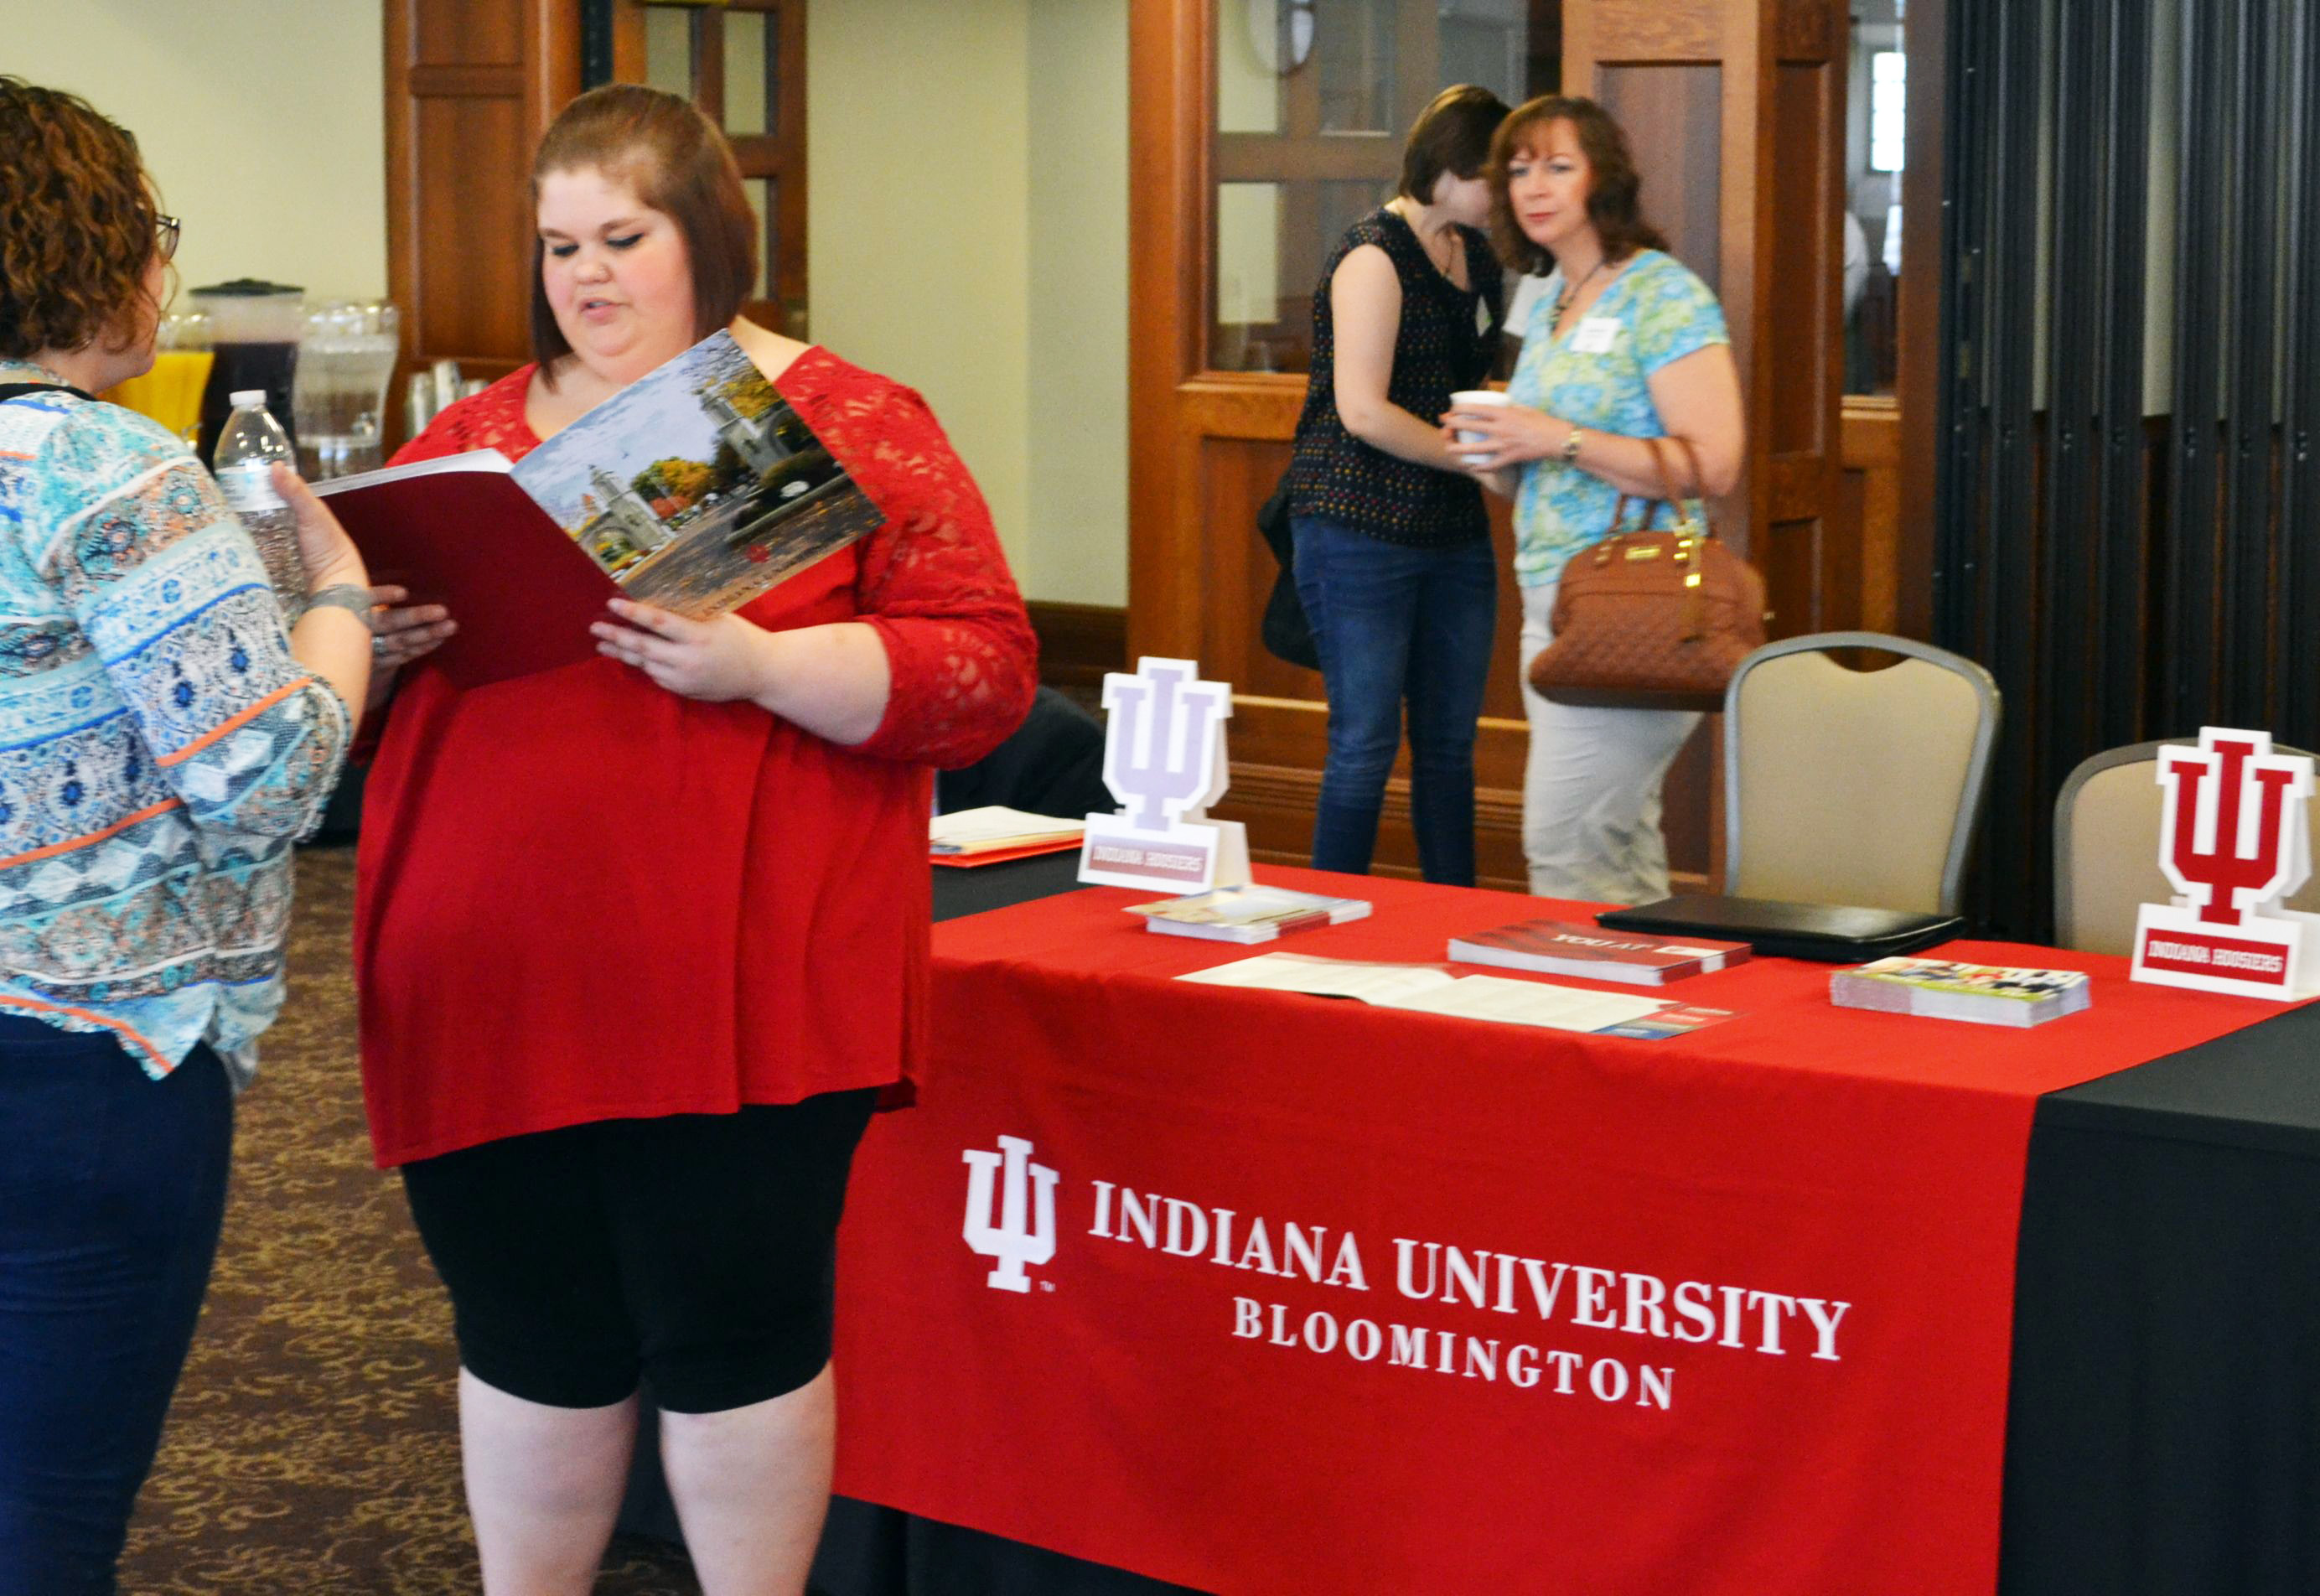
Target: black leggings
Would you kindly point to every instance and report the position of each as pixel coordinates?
(699, 1250)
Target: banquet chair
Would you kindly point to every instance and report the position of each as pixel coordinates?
(2107, 823)
(1854, 787)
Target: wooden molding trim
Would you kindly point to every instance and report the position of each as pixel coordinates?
(1078, 643)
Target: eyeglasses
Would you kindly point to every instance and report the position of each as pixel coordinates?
(167, 229)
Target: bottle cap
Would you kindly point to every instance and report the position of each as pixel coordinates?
(256, 396)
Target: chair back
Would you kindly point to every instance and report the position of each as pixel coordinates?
(2107, 823)
(1846, 786)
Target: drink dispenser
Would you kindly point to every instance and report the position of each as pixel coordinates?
(254, 332)
(344, 365)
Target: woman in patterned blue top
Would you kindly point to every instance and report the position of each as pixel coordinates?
(1624, 345)
(162, 741)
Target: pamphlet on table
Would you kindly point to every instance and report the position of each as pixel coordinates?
(1941, 989)
(995, 833)
(695, 488)
(1433, 989)
(1246, 914)
(1559, 948)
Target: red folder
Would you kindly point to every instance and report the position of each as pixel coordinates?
(468, 538)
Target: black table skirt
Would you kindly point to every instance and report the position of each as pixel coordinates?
(2163, 1423)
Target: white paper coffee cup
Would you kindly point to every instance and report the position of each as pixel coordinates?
(1474, 399)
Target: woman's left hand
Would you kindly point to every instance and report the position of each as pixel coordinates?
(1511, 435)
(714, 661)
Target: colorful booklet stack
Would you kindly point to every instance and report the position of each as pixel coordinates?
(1557, 947)
(1246, 914)
(1987, 994)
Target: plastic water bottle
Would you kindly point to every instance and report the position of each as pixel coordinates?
(247, 446)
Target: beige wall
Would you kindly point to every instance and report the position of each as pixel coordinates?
(918, 217)
(301, 195)
(968, 236)
(1078, 311)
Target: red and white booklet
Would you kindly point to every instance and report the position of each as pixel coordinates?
(1558, 947)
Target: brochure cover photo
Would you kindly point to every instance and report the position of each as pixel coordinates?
(699, 487)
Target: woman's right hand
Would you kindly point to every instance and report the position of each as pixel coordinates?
(329, 556)
(401, 634)
(1507, 435)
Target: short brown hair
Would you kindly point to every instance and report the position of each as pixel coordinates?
(1614, 193)
(1452, 134)
(77, 214)
(679, 165)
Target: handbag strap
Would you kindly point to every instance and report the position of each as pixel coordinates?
(1667, 496)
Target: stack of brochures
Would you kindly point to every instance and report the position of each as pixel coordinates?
(1558, 947)
(1246, 914)
(1987, 994)
(994, 832)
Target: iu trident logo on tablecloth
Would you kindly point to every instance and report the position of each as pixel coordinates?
(1025, 1233)
(2233, 841)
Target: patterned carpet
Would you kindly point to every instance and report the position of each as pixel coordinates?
(313, 1444)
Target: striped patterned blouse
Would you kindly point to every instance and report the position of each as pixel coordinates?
(160, 747)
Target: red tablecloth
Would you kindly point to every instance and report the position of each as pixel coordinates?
(1529, 1311)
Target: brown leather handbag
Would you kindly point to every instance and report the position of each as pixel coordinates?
(1652, 620)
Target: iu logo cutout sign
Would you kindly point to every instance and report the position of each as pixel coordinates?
(2232, 840)
(1023, 1231)
(1164, 759)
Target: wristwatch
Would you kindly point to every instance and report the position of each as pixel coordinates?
(1570, 446)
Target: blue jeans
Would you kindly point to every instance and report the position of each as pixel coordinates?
(1398, 626)
(111, 1188)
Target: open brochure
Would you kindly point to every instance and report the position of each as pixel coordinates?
(695, 488)
(1432, 989)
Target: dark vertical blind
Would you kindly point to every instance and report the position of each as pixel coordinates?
(2127, 576)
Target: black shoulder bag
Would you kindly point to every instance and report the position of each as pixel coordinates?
(1285, 631)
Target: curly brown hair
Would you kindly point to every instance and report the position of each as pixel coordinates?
(1614, 193)
(77, 214)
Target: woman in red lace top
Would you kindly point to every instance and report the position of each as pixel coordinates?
(639, 940)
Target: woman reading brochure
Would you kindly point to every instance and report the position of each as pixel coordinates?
(641, 939)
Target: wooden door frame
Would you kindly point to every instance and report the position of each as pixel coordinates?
(1169, 64)
(1917, 385)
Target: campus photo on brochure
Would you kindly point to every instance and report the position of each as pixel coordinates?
(700, 487)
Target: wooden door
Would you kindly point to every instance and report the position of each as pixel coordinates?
(470, 86)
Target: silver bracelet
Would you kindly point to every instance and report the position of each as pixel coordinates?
(343, 595)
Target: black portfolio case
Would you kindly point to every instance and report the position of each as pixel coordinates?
(1837, 933)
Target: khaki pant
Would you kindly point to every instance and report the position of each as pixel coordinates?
(1591, 786)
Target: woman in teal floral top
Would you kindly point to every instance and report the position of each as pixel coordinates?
(1624, 345)
(162, 741)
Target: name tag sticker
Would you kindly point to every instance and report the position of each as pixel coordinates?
(1597, 335)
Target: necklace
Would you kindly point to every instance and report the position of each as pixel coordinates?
(1570, 291)
(1448, 255)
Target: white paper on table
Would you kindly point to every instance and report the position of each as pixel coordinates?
(1529, 1002)
(995, 822)
(1379, 983)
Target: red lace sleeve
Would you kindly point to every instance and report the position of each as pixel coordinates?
(493, 418)
(934, 582)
